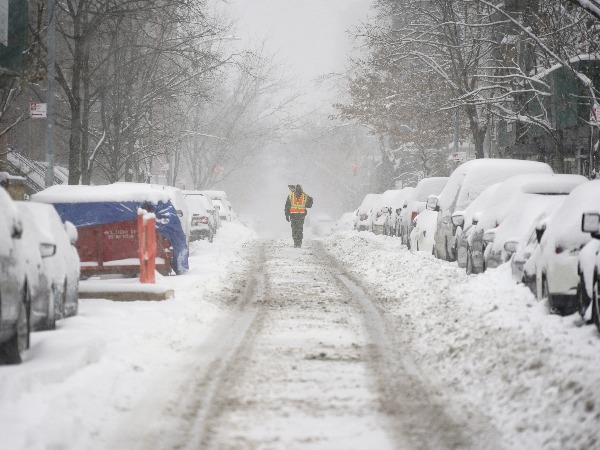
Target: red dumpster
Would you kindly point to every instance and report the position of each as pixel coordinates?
(106, 220)
(113, 248)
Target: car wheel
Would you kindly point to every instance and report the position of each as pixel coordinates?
(583, 301)
(59, 306)
(469, 268)
(546, 294)
(449, 256)
(51, 319)
(11, 350)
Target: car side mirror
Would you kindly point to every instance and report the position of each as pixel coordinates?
(432, 204)
(590, 223)
(47, 250)
(511, 246)
(458, 219)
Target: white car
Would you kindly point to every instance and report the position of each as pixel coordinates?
(226, 212)
(14, 286)
(423, 231)
(588, 289)
(538, 194)
(556, 271)
(466, 221)
(517, 202)
(202, 220)
(415, 203)
(464, 185)
(363, 213)
(62, 268)
(395, 208)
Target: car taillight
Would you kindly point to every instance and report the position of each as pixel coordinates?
(559, 249)
(363, 217)
(413, 215)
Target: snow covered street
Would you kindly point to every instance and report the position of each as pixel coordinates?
(349, 342)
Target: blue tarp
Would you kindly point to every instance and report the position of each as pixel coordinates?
(168, 224)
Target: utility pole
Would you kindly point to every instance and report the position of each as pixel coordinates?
(50, 96)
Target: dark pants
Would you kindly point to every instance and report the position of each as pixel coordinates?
(297, 221)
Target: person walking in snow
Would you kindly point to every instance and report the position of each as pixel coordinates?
(295, 212)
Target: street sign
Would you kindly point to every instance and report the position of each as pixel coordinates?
(37, 110)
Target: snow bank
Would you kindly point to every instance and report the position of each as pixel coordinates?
(487, 343)
(78, 382)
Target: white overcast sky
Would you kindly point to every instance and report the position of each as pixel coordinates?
(308, 37)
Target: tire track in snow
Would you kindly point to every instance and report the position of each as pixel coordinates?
(185, 420)
(304, 382)
(416, 415)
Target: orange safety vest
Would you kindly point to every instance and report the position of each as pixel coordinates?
(298, 206)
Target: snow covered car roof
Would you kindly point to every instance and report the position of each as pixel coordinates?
(368, 203)
(117, 192)
(564, 226)
(514, 190)
(471, 178)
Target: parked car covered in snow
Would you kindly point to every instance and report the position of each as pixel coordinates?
(382, 209)
(208, 206)
(466, 221)
(563, 239)
(220, 199)
(415, 203)
(14, 285)
(517, 202)
(588, 268)
(395, 209)
(423, 231)
(62, 268)
(464, 185)
(363, 213)
(524, 261)
(202, 220)
(538, 194)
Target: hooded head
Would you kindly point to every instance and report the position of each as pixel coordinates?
(298, 189)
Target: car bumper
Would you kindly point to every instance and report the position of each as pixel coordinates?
(200, 234)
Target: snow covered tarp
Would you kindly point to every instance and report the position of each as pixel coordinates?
(88, 206)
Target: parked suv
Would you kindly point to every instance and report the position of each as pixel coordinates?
(14, 293)
(560, 245)
(464, 185)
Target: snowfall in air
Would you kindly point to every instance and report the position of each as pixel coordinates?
(123, 375)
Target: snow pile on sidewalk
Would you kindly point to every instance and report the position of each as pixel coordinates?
(78, 382)
(486, 342)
